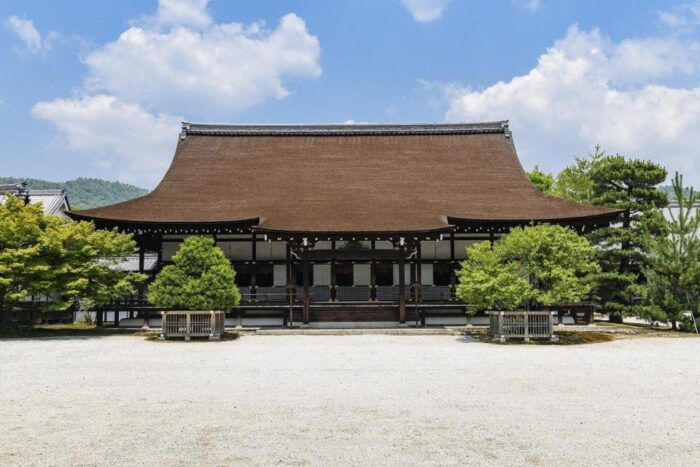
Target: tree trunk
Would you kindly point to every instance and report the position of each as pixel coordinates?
(674, 326)
(615, 318)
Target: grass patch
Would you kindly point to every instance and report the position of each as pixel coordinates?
(13, 330)
(565, 338)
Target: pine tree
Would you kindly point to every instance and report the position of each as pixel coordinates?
(672, 267)
(630, 185)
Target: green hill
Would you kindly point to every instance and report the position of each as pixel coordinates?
(85, 193)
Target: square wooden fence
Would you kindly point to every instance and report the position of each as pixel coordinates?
(193, 324)
(522, 324)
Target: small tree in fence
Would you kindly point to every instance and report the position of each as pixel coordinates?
(540, 265)
(201, 279)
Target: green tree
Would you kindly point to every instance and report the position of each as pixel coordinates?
(21, 264)
(82, 264)
(542, 180)
(630, 185)
(574, 182)
(543, 264)
(46, 255)
(672, 267)
(200, 279)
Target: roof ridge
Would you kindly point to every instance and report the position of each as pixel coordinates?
(349, 129)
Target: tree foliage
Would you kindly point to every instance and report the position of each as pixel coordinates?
(574, 182)
(542, 180)
(630, 185)
(544, 264)
(672, 267)
(44, 255)
(201, 278)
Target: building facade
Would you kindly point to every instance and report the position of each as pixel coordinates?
(342, 223)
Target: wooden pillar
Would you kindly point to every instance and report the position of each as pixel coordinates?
(402, 282)
(492, 238)
(141, 290)
(290, 286)
(253, 266)
(142, 266)
(373, 279)
(453, 266)
(305, 272)
(333, 274)
(419, 270)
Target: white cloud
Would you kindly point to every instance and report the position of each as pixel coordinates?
(135, 144)
(528, 5)
(178, 62)
(682, 18)
(25, 30)
(426, 11)
(227, 67)
(587, 89)
(191, 13)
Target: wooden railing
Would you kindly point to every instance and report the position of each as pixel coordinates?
(193, 324)
(522, 324)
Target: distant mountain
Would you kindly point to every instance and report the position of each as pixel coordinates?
(84, 193)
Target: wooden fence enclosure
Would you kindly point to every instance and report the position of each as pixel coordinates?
(522, 324)
(193, 324)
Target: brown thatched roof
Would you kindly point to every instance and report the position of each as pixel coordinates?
(347, 178)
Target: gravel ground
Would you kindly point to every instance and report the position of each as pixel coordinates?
(348, 400)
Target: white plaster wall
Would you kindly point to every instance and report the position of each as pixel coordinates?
(361, 274)
(279, 275)
(426, 274)
(322, 274)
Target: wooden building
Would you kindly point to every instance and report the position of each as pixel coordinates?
(342, 223)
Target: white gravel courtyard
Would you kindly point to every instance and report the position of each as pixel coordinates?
(348, 400)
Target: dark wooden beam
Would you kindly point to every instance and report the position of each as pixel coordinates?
(305, 272)
(402, 282)
(253, 265)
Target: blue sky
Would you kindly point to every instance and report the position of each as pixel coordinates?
(98, 88)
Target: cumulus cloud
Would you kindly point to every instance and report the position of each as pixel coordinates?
(587, 89)
(528, 5)
(682, 18)
(27, 32)
(191, 13)
(426, 11)
(178, 62)
(135, 144)
(227, 67)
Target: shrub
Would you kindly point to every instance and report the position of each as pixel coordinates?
(200, 279)
(545, 264)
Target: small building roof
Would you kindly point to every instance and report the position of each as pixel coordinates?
(54, 202)
(346, 178)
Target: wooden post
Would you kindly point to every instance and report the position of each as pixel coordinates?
(453, 265)
(419, 271)
(373, 279)
(492, 238)
(305, 272)
(253, 267)
(290, 285)
(334, 295)
(402, 282)
(527, 327)
(142, 267)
